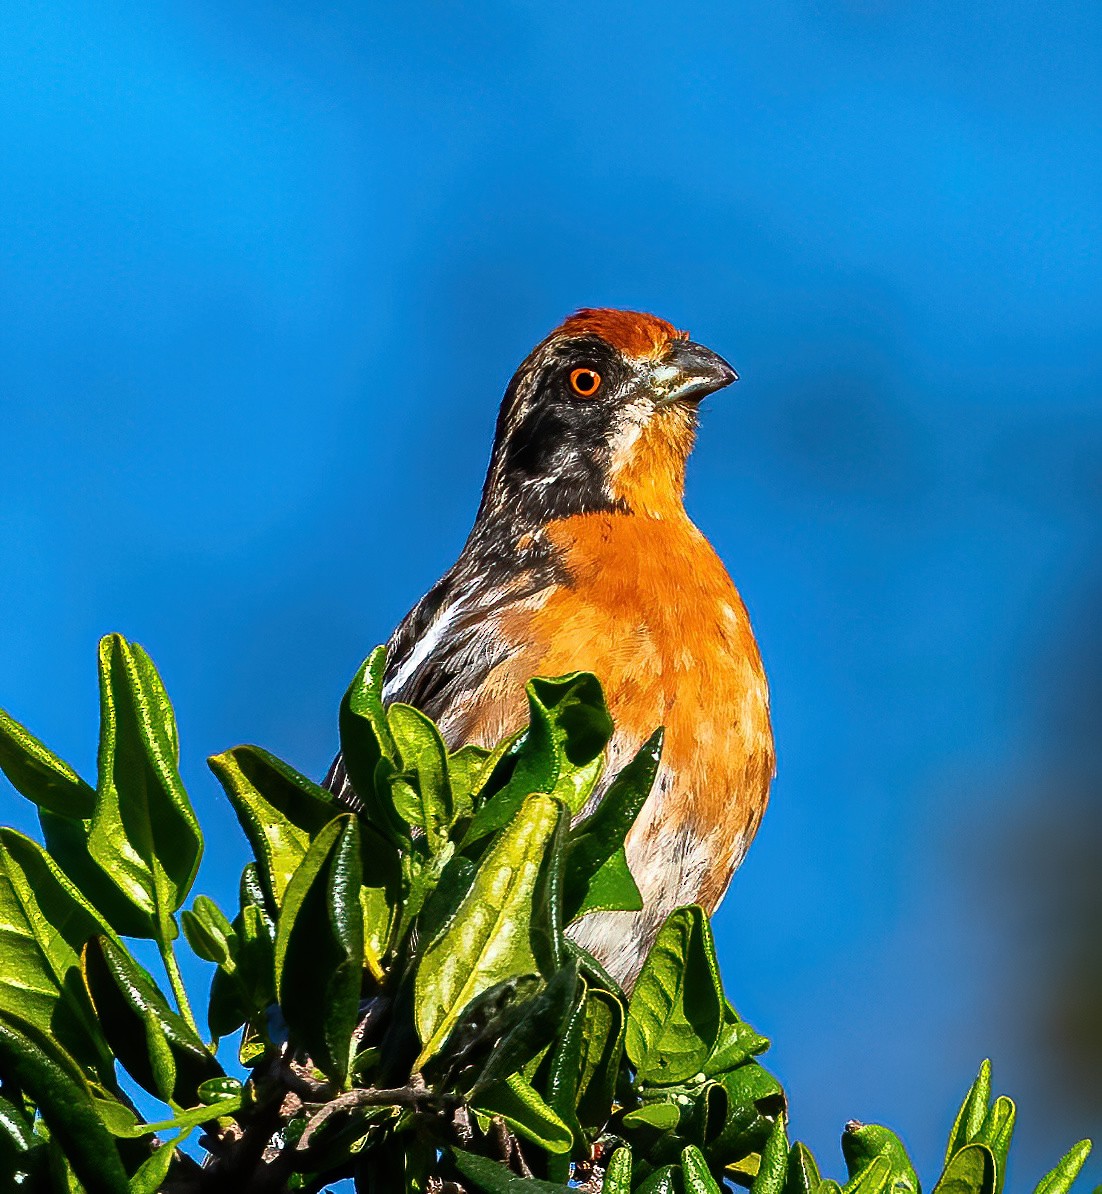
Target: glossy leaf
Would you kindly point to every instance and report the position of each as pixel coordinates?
(750, 1099)
(972, 1112)
(246, 986)
(861, 1143)
(280, 811)
(423, 756)
(696, 1174)
(152, 1172)
(661, 1116)
(143, 832)
(67, 843)
(663, 1180)
(366, 741)
(158, 1048)
(44, 923)
(596, 855)
(803, 1176)
(46, 1073)
(22, 1152)
(997, 1131)
(488, 939)
(618, 1172)
(526, 1113)
(602, 1048)
(736, 1044)
(773, 1167)
(497, 1179)
(875, 1177)
(564, 1064)
(1059, 1180)
(465, 766)
(319, 950)
(38, 774)
(562, 752)
(971, 1171)
(676, 1009)
(535, 1023)
(208, 932)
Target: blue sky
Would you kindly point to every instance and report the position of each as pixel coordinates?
(266, 270)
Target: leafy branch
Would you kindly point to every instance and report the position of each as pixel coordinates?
(409, 1007)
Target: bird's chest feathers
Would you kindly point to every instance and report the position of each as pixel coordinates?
(649, 607)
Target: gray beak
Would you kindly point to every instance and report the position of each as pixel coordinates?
(690, 372)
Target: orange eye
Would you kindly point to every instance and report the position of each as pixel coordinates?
(585, 382)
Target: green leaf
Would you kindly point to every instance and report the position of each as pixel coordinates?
(862, 1143)
(526, 1113)
(67, 843)
(488, 939)
(748, 1100)
(996, 1132)
(971, 1170)
(22, 1152)
(244, 990)
(698, 1177)
(366, 741)
(618, 1173)
(611, 888)
(208, 931)
(379, 895)
(185, 1121)
(773, 1169)
(663, 1117)
(803, 1175)
(596, 853)
(44, 923)
(564, 1064)
(873, 1178)
(602, 1048)
(496, 1179)
(662, 1181)
(38, 774)
(736, 1044)
(676, 1009)
(426, 804)
(562, 753)
(972, 1112)
(159, 1049)
(143, 833)
(319, 950)
(1060, 1179)
(534, 1024)
(280, 811)
(52, 1079)
(152, 1172)
(465, 766)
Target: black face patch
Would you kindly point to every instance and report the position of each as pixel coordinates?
(551, 452)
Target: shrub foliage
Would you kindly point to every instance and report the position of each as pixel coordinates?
(407, 1006)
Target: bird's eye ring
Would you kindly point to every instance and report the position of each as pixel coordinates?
(585, 382)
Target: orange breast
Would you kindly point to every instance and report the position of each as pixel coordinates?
(651, 610)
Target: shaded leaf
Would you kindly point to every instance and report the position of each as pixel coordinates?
(208, 932)
(803, 1175)
(595, 855)
(46, 1073)
(319, 950)
(618, 1172)
(158, 1048)
(366, 741)
(602, 1048)
(773, 1167)
(496, 1179)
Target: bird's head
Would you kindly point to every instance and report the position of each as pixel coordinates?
(601, 416)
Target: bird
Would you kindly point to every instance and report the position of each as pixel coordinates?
(582, 557)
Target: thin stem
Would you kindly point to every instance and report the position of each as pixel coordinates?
(176, 981)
